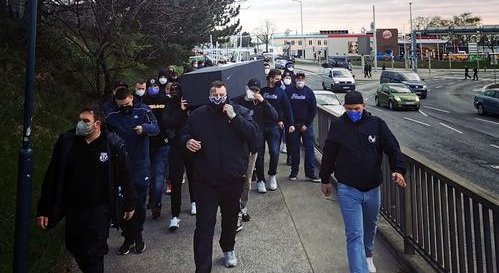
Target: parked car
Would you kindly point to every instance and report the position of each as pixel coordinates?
(409, 78)
(396, 96)
(337, 61)
(280, 63)
(487, 102)
(330, 100)
(338, 80)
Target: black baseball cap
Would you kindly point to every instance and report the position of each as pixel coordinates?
(354, 97)
(119, 83)
(254, 83)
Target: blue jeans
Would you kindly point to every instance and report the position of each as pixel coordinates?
(272, 136)
(159, 167)
(360, 212)
(307, 137)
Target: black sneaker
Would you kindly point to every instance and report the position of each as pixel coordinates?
(140, 246)
(126, 247)
(314, 178)
(245, 216)
(292, 177)
(156, 211)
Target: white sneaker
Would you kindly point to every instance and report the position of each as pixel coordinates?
(193, 208)
(230, 258)
(284, 150)
(174, 223)
(272, 183)
(261, 187)
(370, 265)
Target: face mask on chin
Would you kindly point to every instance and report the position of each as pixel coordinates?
(83, 129)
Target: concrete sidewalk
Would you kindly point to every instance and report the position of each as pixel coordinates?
(293, 229)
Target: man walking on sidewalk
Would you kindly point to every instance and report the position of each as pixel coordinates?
(217, 134)
(353, 152)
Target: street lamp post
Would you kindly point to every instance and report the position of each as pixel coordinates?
(302, 37)
(413, 43)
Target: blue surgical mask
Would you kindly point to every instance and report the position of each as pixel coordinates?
(153, 90)
(354, 116)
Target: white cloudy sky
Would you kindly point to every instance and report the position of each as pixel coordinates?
(355, 14)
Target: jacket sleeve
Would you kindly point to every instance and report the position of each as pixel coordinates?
(150, 125)
(125, 179)
(328, 161)
(186, 133)
(312, 108)
(50, 181)
(172, 119)
(269, 112)
(286, 107)
(391, 148)
(244, 124)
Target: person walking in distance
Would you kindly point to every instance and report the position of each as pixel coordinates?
(134, 123)
(466, 72)
(475, 73)
(217, 135)
(89, 166)
(353, 151)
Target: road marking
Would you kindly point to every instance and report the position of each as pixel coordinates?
(436, 109)
(370, 107)
(495, 146)
(445, 125)
(419, 122)
(437, 87)
(423, 113)
(489, 121)
(495, 167)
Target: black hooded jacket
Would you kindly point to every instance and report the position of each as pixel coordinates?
(354, 152)
(51, 202)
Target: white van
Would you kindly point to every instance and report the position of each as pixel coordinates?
(338, 79)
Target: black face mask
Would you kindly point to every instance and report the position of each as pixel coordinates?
(125, 110)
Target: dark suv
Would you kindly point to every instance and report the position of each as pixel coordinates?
(409, 78)
(337, 61)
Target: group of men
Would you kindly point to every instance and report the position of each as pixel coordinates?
(102, 171)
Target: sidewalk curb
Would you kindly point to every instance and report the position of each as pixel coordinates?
(394, 241)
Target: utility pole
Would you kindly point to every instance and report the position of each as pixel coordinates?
(302, 36)
(25, 163)
(413, 43)
(375, 42)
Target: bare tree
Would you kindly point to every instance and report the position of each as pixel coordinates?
(264, 33)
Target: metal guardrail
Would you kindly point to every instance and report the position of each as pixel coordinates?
(451, 223)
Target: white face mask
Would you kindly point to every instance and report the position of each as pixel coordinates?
(300, 84)
(250, 95)
(162, 80)
(140, 92)
(287, 81)
(267, 70)
(291, 68)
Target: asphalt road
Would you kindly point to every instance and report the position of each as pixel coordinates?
(447, 129)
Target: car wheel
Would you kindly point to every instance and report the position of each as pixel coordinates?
(377, 101)
(390, 105)
(481, 111)
(324, 86)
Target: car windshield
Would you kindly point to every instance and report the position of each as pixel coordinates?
(324, 99)
(400, 89)
(411, 77)
(341, 73)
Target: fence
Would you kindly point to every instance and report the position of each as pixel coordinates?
(451, 223)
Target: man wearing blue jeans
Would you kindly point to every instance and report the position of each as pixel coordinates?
(304, 107)
(353, 152)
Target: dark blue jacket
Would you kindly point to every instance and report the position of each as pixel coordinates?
(303, 104)
(279, 100)
(51, 202)
(354, 152)
(223, 157)
(137, 145)
(261, 112)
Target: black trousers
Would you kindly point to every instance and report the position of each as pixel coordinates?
(208, 199)
(132, 229)
(178, 163)
(86, 235)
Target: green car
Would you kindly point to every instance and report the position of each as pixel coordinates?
(396, 96)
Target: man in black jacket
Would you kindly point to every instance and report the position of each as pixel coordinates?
(354, 151)
(87, 168)
(217, 134)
